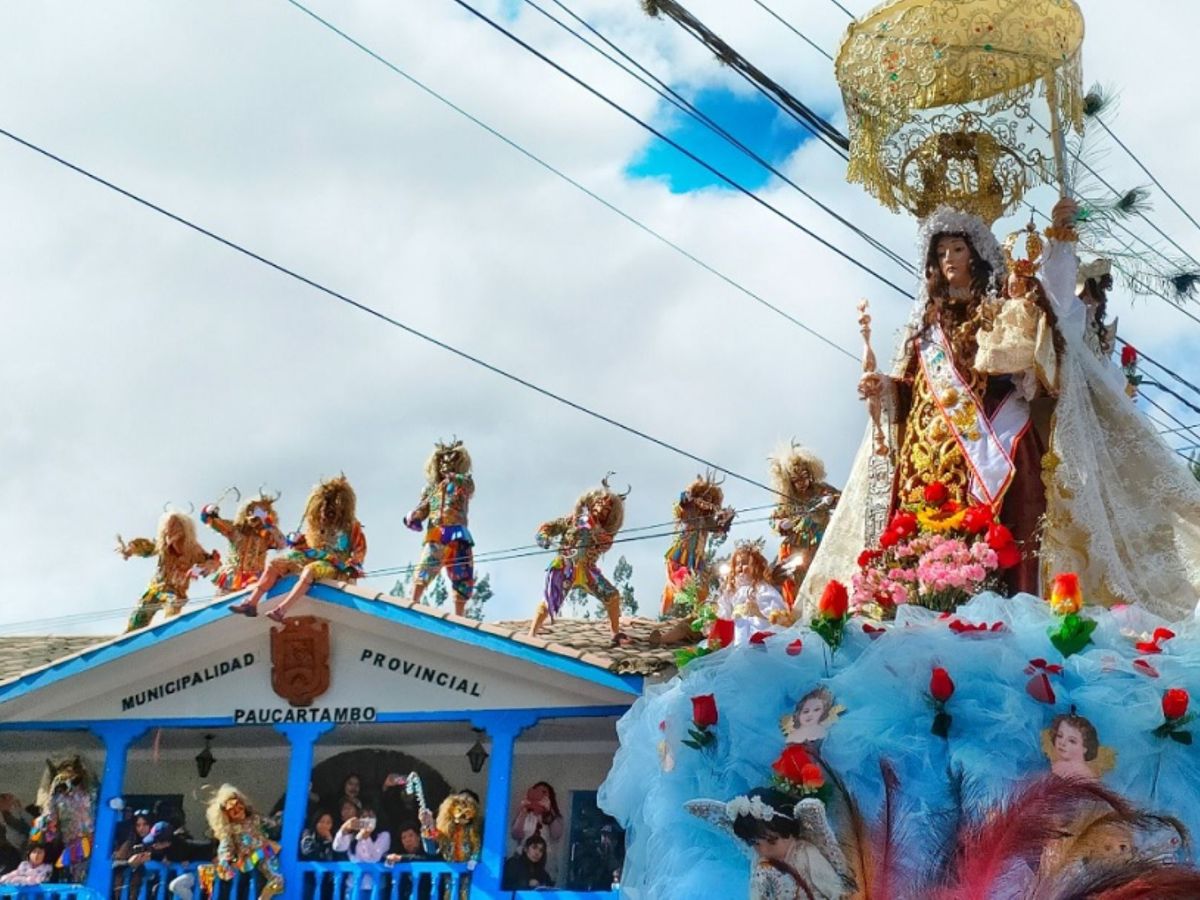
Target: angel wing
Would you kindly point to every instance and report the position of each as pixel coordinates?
(715, 814)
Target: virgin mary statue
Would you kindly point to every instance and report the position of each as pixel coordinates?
(1050, 441)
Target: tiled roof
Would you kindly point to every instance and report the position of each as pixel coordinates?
(586, 641)
(20, 654)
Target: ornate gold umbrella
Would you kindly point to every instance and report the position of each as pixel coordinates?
(940, 90)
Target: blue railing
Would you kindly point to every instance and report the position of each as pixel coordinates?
(373, 881)
(55, 891)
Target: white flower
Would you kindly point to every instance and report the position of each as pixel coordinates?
(753, 807)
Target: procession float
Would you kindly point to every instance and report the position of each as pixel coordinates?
(982, 685)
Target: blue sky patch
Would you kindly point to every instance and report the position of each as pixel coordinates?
(751, 118)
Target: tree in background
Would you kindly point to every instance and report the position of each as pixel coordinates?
(439, 593)
(579, 602)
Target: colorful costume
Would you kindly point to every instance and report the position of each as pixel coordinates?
(799, 518)
(243, 846)
(701, 524)
(442, 512)
(252, 534)
(583, 538)
(68, 815)
(180, 559)
(331, 545)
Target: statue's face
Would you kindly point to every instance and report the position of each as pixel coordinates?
(235, 810)
(954, 260)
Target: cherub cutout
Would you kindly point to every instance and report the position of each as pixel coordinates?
(1072, 745)
(809, 722)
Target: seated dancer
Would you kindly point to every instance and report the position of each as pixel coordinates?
(332, 545)
(442, 513)
(748, 602)
(701, 524)
(180, 559)
(801, 515)
(583, 538)
(252, 534)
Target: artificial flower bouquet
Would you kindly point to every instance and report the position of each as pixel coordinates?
(937, 555)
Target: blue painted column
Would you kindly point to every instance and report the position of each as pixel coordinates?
(302, 737)
(503, 729)
(117, 736)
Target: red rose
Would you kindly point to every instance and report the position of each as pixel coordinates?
(811, 777)
(1129, 357)
(721, 632)
(792, 762)
(977, 519)
(759, 638)
(889, 539)
(867, 557)
(1008, 556)
(941, 686)
(936, 493)
(998, 536)
(1175, 703)
(904, 524)
(704, 711)
(834, 601)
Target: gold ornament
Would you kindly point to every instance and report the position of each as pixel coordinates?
(937, 93)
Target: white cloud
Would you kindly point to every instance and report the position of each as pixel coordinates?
(145, 364)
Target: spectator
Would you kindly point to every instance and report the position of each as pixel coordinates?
(17, 819)
(33, 870)
(129, 857)
(316, 845)
(412, 849)
(538, 814)
(352, 790)
(358, 836)
(349, 810)
(526, 870)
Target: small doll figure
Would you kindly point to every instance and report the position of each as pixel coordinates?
(332, 545)
(701, 523)
(180, 559)
(243, 846)
(1072, 745)
(442, 514)
(801, 515)
(748, 599)
(252, 534)
(794, 853)
(809, 722)
(583, 537)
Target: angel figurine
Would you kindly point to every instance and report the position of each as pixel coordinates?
(180, 559)
(252, 534)
(795, 855)
(748, 600)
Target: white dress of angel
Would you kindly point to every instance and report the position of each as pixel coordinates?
(1122, 509)
(753, 606)
(815, 855)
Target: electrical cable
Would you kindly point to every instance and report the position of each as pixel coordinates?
(677, 146)
(383, 317)
(576, 184)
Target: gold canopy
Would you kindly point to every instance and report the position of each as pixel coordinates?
(913, 71)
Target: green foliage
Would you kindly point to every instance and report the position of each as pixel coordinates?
(438, 593)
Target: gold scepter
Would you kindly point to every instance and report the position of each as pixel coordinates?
(870, 367)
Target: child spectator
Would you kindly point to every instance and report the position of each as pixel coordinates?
(526, 870)
(33, 869)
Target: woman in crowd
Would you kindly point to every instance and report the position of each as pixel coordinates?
(33, 870)
(363, 843)
(526, 870)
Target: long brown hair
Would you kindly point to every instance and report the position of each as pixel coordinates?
(982, 276)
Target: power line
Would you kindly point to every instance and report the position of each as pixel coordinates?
(794, 30)
(676, 99)
(1158, 184)
(574, 183)
(1187, 429)
(383, 317)
(676, 145)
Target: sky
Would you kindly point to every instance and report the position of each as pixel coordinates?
(144, 364)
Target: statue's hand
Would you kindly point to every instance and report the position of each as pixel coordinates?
(1064, 213)
(870, 385)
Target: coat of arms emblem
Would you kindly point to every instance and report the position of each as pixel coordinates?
(300, 659)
